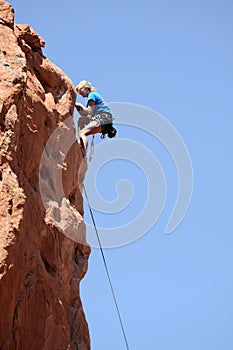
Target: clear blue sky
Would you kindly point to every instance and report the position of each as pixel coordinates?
(174, 291)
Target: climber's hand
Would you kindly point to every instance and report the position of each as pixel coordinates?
(78, 106)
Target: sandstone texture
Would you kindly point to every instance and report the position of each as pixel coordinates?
(43, 252)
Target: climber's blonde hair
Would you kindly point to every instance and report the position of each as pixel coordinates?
(84, 84)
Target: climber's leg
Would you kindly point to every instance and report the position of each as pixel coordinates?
(92, 128)
(82, 122)
(83, 142)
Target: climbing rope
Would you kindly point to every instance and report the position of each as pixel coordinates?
(106, 268)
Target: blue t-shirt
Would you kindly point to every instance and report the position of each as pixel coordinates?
(100, 104)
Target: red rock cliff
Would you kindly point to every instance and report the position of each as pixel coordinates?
(40, 265)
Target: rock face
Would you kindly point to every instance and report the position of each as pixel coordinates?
(43, 253)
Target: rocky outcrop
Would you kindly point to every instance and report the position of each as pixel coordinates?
(43, 253)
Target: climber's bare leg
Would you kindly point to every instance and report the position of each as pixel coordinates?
(93, 127)
(82, 122)
(83, 136)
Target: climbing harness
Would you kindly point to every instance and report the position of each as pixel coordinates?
(109, 130)
(106, 121)
(106, 269)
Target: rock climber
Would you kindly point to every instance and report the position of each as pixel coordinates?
(95, 117)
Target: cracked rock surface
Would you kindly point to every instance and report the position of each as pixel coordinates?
(43, 252)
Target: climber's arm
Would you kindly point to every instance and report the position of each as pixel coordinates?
(89, 110)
